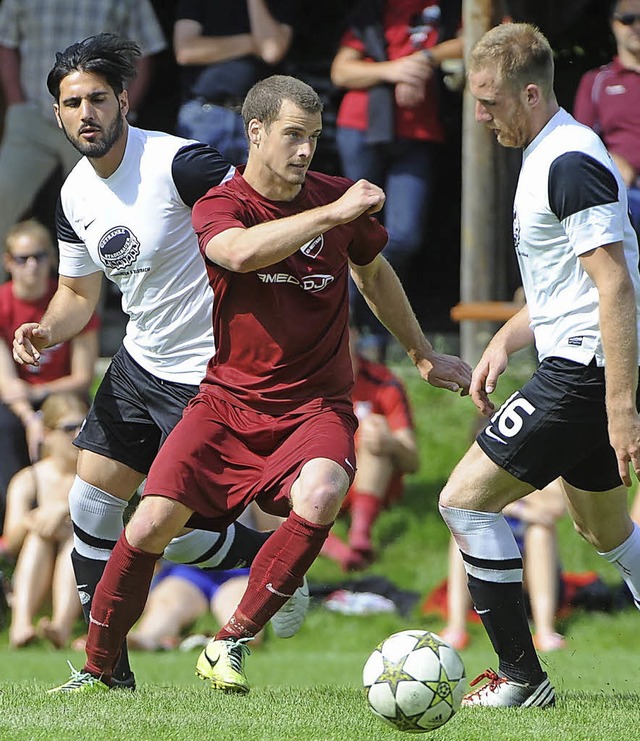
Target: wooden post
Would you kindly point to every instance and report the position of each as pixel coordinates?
(479, 230)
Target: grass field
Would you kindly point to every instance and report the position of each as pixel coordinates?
(308, 688)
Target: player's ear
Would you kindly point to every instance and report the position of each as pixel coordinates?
(56, 110)
(254, 131)
(123, 100)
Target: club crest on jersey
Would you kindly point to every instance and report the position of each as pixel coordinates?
(313, 247)
(119, 248)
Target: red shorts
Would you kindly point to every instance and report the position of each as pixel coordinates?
(220, 457)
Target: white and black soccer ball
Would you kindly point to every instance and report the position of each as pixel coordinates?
(414, 681)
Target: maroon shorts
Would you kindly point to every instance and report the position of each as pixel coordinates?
(220, 457)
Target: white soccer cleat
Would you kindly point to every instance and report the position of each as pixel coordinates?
(289, 618)
(500, 692)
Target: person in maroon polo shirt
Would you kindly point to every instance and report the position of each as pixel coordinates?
(273, 421)
(608, 100)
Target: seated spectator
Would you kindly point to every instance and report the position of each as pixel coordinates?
(69, 366)
(533, 521)
(225, 48)
(38, 530)
(608, 100)
(385, 450)
(179, 596)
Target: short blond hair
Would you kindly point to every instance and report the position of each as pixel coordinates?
(57, 406)
(519, 53)
(31, 228)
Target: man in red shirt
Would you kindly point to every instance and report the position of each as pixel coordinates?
(385, 450)
(67, 366)
(273, 420)
(608, 100)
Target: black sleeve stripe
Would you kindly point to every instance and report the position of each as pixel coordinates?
(195, 169)
(577, 182)
(64, 230)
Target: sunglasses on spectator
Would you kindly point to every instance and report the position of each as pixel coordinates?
(23, 259)
(627, 19)
(69, 427)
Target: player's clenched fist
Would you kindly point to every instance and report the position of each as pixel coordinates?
(28, 341)
(362, 197)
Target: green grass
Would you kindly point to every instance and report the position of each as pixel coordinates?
(308, 688)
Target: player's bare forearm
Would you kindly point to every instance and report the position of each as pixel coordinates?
(71, 306)
(385, 295)
(244, 250)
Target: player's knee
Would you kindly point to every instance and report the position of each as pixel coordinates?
(150, 528)
(319, 502)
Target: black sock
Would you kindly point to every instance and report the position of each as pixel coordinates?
(501, 609)
(88, 573)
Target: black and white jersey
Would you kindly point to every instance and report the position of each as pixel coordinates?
(135, 226)
(570, 200)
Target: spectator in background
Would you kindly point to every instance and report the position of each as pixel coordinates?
(389, 124)
(533, 522)
(385, 450)
(67, 366)
(608, 100)
(38, 530)
(31, 32)
(225, 49)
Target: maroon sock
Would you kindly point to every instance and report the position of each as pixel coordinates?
(336, 549)
(117, 603)
(365, 509)
(276, 573)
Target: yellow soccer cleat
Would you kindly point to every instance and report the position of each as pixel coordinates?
(80, 682)
(222, 663)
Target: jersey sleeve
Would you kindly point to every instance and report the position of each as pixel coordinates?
(214, 214)
(74, 259)
(369, 239)
(584, 196)
(196, 168)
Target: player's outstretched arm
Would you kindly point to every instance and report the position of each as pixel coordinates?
(384, 293)
(243, 250)
(514, 335)
(618, 325)
(67, 314)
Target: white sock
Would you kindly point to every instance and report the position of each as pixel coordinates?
(626, 558)
(200, 547)
(97, 519)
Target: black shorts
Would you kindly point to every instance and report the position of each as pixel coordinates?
(132, 413)
(555, 425)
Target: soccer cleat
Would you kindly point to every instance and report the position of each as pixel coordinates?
(289, 618)
(500, 692)
(80, 682)
(126, 683)
(222, 663)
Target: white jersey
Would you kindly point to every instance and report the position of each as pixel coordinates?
(570, 199)
(135, 226)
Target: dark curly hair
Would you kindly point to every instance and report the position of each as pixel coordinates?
(105, 54)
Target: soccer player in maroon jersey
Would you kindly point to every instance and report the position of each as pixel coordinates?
(273, 421)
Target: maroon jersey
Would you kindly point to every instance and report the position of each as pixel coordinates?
(55, 362)
(281, 331)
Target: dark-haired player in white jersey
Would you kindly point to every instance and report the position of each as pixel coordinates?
(273, 420)
(125, 211)
(577, 417)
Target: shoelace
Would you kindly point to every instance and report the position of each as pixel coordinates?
(494, 681)
(78, 678)
(237, 651)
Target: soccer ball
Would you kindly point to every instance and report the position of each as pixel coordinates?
(414, 681)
